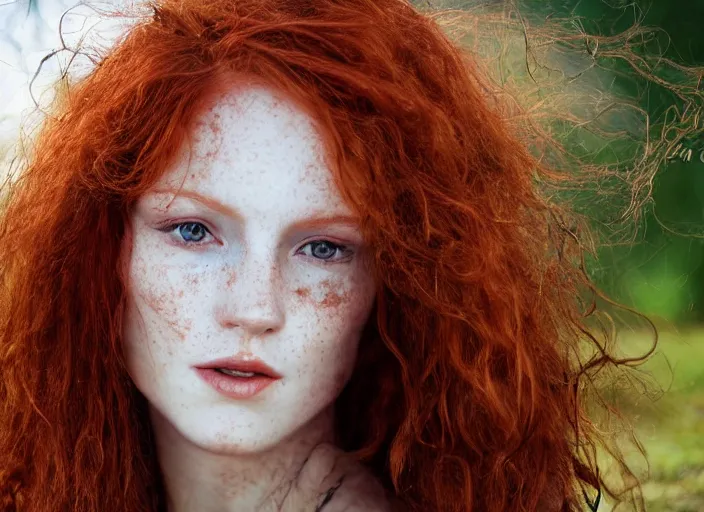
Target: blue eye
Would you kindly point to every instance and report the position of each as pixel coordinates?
(187, 233)
(192, 231)
(325, 250)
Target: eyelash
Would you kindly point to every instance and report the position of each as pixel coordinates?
(171, 227)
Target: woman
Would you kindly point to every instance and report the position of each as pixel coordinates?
(282, 255)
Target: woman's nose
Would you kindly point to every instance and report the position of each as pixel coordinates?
(251, 297)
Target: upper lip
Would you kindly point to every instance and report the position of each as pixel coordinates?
(249, 365)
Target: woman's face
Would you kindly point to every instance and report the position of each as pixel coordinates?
(246, 250)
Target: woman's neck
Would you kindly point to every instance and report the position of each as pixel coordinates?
(196, 479)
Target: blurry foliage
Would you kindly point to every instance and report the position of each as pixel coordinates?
(617, 84)
(672, 427)
(663, 274)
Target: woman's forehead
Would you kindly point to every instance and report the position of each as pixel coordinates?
(256, 150)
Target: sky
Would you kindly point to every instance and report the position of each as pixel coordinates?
(26, 40)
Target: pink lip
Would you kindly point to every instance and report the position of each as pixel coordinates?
(235, 387)
(238, 387)
(251, 364)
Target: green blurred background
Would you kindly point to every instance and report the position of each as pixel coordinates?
(662, 273)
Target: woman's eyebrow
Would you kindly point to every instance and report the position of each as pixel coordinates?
(210, 202)
(314, 221)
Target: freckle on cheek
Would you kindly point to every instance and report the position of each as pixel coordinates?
(303, 292)
(163, 302)
(186, 328)
(333, 299)
(231, 277)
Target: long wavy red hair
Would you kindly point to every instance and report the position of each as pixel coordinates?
(467, 395)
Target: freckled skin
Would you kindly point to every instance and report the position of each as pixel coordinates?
(231, 277)
(333, 299)
(250, 287)
(303, 292)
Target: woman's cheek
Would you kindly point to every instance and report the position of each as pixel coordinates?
(160, 301)
(341, 310)
(344, 302)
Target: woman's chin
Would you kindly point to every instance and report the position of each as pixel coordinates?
(216, 433)
(233, 441)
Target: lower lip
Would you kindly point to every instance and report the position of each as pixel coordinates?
(235, 387)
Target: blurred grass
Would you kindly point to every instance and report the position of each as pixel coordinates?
(671, 427)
